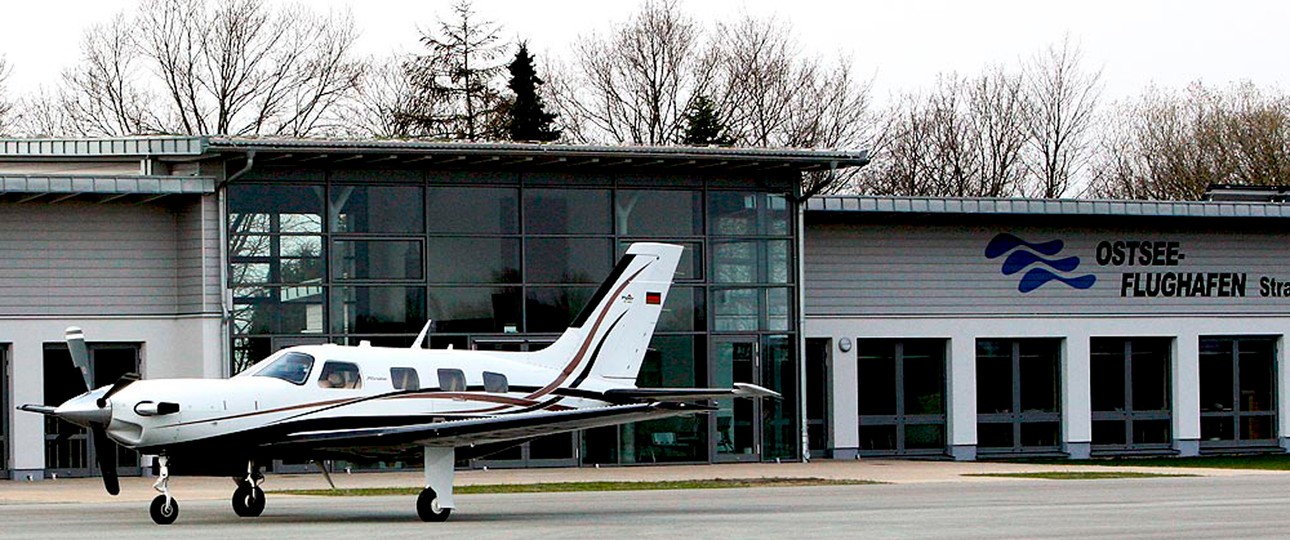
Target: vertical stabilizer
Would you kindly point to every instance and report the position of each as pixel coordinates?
(608, 339)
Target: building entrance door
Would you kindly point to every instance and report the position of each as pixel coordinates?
(69, 450)
(818, 353)
(738, 421)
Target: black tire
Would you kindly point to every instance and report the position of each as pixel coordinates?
(428, 507)
(248, 501)
(163, 512)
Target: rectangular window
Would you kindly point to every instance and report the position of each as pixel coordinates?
(473, 210)
(377, 209)
(473, 260)
(657, 213)
(1018, 395)
(386, 260)
(378, 310)
(452, 380)
(495, 383)
(566, 211)
(340, 375)
(567, 260)
(405, 378)
(902, 396)
(475, 309)
(1238, 391)
(1130, 385)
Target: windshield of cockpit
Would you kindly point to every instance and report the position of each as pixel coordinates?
(290, 366)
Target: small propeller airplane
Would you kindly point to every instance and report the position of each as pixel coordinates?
(318, 402)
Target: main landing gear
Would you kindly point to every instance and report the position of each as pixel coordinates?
(435, 501)
(248, 498)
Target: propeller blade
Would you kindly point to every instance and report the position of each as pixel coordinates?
(105, 449)
(124, 381)
(80, 355)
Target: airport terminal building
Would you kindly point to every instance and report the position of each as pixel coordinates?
(1004, 327)
(892, 326)
(194, 257)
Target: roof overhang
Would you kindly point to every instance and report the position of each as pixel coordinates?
(100, 188)
(463, 155)
(1044, 207)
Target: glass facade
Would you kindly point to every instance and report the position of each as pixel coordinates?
(504, 260)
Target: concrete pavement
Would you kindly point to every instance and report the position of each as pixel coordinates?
(88, 490)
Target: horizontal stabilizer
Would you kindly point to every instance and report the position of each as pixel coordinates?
(46, 410)
(691, 394)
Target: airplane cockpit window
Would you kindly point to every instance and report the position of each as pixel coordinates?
(452, 380)
(292, 367)
(495, 383)
(339, 375)
(405, 378)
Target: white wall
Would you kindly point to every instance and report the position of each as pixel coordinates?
(1076, 331)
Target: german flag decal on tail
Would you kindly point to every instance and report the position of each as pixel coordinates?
(653, 298)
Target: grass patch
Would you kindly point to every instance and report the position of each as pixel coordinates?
(1266, 462)
(553, 487)
(1079, 475)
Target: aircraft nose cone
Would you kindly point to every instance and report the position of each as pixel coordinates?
(84, 410)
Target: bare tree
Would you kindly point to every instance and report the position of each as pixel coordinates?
(1169, 145)
(6, 106)
(461, 72)
(384, 102)
(774, 96)
(1064, 99)
(102, 95)
(964, 138)
(634, 85)
(228, 67)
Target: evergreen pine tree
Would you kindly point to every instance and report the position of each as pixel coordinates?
(527, 119)
(703, 125)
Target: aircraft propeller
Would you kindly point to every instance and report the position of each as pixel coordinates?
(91, 409)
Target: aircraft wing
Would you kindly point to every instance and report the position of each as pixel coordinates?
(482, 430)
(691, 394)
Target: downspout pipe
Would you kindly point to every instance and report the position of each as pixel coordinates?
(226, 294)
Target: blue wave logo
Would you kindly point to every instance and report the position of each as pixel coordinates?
(1022, 255)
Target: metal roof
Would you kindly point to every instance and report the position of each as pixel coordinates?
(475, 154)
(120, 147)
(432, 153)
(1044, 207)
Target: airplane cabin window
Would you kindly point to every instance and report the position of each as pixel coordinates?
(405, 378)
(452, 380)
(340, 375)
(495, 383)
(292, 367)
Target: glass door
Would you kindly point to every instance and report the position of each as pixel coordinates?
(737, 425)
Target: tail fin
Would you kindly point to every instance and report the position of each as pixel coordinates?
(609, 337)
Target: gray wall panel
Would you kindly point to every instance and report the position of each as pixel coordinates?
(859, 270)
(77, 258)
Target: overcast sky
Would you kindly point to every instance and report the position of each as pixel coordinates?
(902, 44)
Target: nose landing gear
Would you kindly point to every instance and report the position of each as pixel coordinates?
(164, 508)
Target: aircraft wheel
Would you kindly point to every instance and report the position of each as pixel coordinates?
(248, 501)
(163, 510)
(428, 508)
